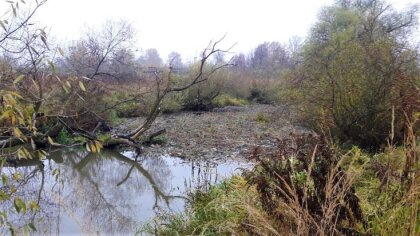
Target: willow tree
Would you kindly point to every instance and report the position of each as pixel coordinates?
(358, 66)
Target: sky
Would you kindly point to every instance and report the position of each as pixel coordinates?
(187, 26)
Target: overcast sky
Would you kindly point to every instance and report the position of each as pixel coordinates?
(186, 26)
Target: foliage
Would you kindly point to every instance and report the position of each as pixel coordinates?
(64, 137)
(304, 187)
(200, 98)
(220, 211)
(390, 188)
(390, 207)
(262, 118)
(356, 66)
(227, 100)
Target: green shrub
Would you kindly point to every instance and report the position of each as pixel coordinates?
(258, 95)
(128, 110)
(391, 206)
(64, 137)
(349, 80)
(173, 103)
(262, 118)
(227, 100)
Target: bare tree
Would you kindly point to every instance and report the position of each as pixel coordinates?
(93, 55)
(165, 86)
(13, 21)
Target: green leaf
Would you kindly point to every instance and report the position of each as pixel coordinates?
(16, 176)
(18, 79)
(4, 179)
(32, 226)
(4, 196)
(53, 68)
(19, 205)
(33, 206)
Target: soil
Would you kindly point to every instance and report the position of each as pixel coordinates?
(227, 133)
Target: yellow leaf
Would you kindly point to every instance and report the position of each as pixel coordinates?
(98, 146)
(18, 79)
(50, 141)
(33, 144)
(93, 148)
(65, 88)
(82, 86)
(18, 134)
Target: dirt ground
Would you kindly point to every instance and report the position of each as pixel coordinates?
(227, 133)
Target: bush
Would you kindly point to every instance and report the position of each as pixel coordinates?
(304, 187)
(262, 118)
(227, 100)
(350, 80)
(64, 137)
(390, 189)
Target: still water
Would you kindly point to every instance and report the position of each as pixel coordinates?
(110, 193)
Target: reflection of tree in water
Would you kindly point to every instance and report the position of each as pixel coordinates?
(30, 186)
(203, 175)
(98, 191)
(107, 186)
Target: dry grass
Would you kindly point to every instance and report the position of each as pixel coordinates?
(306, 189)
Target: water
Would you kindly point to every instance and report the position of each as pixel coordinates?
(110, 193)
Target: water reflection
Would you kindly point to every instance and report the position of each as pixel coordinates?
(107, 193)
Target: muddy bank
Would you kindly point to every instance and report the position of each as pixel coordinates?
(227, 133)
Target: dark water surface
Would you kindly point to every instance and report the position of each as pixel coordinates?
(110, 193)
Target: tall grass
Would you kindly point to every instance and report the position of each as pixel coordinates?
(219, 211)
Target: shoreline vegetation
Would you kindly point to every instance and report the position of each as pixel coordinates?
(331, 122)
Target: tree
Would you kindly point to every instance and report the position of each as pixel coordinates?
(165, 86)
(98, 53)
(150, 58)
(270, 58)
(240, 61)
(175, 60)
(357, 66)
